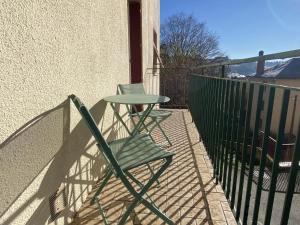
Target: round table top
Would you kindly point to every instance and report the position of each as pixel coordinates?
(136, 99)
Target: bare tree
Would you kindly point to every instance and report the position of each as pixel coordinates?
(187, 42)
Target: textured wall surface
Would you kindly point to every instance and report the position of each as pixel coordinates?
(151, 8)
(277, 106)
(48, 50)
(278, 102)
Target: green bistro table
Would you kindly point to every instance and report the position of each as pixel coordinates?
(135, 99)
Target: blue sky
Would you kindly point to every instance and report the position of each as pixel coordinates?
(245, 26)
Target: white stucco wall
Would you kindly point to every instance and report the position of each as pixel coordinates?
(48, 50)
(151, 78)
(278, 102)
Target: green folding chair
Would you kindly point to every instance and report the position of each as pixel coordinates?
(122, 156)
(156, 116)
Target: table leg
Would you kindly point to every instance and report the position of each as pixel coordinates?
(139, 116)
(142, 118)
(120, 118)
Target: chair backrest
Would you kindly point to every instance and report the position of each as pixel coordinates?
(101, 143)
(132, 88)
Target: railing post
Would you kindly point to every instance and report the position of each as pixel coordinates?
(260, 67)
(221, 125)
(224, 127)
(241, 121)
(253, 151)
(244, 151)
(229, 114)
(277, 154)
(292, 181)
(234, 122)
(223, 71)
(264, 152)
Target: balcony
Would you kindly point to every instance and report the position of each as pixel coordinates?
(245, 166)
(188, 193)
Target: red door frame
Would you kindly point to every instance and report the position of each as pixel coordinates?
(135, 38)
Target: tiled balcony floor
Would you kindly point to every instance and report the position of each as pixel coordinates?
(187, 194)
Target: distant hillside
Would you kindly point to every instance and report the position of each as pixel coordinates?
(289, 69)
(250, 68)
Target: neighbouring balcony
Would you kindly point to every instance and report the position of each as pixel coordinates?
(188, 193)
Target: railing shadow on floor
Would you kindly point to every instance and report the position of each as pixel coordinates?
(174, 196)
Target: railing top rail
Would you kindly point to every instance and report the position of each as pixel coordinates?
(248, 81)
(280, 55)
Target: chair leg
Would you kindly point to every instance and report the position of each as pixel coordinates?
(104, 182)
(152, 173)
(157, 212)
(101, 211)
(166, 137)
(152, 207)
(157, 123)
(139, 196)
(148, 131)
(128, 211)
(139, 184)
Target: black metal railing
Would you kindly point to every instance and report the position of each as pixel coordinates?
(234, 118)
(174, 84)
(171, 82)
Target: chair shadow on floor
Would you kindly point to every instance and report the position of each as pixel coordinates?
(45, 150)
(182, 194)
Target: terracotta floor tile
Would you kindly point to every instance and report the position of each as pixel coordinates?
(187, 192)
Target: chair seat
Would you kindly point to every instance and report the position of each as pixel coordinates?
(138, 150)
(156, 113)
